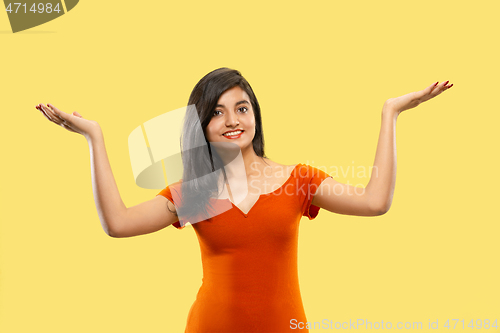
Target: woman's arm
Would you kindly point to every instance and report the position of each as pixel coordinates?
(380, 188)
(116, 219)
(109, 204)
(376, 198)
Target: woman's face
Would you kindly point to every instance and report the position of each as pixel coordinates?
(233, 113)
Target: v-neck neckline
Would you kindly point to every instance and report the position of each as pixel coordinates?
(260, 196)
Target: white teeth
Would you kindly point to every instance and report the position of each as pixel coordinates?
(232, 133)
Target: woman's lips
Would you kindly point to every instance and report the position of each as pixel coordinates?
(234, 136)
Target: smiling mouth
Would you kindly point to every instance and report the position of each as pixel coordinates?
(232, 134)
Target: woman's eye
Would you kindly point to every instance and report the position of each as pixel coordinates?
(244, 108)
(215, 112)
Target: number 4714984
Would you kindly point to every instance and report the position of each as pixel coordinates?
(40, 8)
(478, 323)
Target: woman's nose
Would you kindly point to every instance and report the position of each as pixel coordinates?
(231, 120)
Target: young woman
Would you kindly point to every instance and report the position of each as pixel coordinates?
(244, 207)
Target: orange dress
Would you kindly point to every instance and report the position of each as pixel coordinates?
(250, 279)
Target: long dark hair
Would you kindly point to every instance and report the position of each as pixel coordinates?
(200, 160)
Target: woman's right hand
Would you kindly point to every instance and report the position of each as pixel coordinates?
(72, 122)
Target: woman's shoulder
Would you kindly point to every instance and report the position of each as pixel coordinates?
(301, 170)
(281, 172)
(276, 165)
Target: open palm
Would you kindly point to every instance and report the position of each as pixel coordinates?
(72, 122)
(413, 99)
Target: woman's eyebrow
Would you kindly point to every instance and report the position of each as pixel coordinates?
(238, 103)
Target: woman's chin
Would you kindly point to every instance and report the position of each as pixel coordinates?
(231, 147)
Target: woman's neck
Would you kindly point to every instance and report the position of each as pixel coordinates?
(244, 164)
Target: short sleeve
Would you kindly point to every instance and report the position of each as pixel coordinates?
(167, 193)
(310, 179)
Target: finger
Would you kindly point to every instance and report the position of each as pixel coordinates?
(430, 92)
(57, 119)
(54, 108)
(61, 115)
(440, 88)
(51, 114)
(77, 114)
(448, 85)
(432, 86)
(43, 112)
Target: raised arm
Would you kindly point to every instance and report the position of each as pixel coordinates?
(376, 197)
(116, 219)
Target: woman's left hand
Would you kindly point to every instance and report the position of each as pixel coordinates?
(413, 99)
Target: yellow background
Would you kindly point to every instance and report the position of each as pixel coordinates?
(321, 71)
